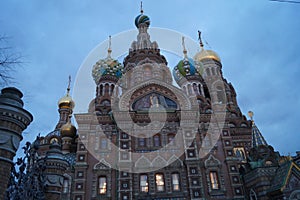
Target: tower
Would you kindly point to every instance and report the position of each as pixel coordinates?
(13, 120)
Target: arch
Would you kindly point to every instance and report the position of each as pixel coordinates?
(211, 161)
(184, 102)
(174, 161)
(102, 165)
(252, 195)
(159, 162)
(231, 125)
(101, 89)
(143, 162)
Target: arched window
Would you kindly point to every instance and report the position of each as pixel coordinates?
(195, 88)
(220, 94)
(103, 143)
(147, 72)
(142, 141)
(207, 72)
(175, 182)
(156, 140)
(214, 180)
(102, 183)
(189, 89)
(252, 195)
(66, 186)
(54, 140)
(106, 88)
(101, 90)
(112, 88)
(160, 182)
(144, 183)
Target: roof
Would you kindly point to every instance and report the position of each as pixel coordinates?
(282, 176)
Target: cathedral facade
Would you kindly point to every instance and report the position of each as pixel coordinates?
(145, 138)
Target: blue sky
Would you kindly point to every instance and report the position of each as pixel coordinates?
(258, 42)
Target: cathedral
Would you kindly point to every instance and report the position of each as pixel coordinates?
(145, 137)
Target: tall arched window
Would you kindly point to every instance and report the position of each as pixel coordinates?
(101, 90)
(147, 72)
(160, 182)
(214, 180)
(156, 140)
(144, 183)
(66, 186)
(175, 182)
(252, 195)
(142, 141)
(102, 185)
(103, 143)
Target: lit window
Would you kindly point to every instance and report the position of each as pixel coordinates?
(66, 186)
(160, 183)
(175, 182)
(214, 180)
(156, 140)
(102, 185)
(54, 141)
(144, 183)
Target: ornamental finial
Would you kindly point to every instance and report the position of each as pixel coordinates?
(69, 85)
(183, 46)
(250, 114)
(200, 39)
(142, 7)
(109, 46)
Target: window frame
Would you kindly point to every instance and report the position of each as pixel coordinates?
(102, 190)
(160, 186)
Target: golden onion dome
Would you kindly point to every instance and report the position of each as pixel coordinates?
(68, 130)
(66, 101)
(206, 54)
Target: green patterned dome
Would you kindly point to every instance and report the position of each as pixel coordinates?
(187, 67)
(107, 66)
(142, 19)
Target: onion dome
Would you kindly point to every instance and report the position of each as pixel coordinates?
(186, 67)
(107, 66)
(205, 54)
(142, 19)
(68, 130)
(67, 101)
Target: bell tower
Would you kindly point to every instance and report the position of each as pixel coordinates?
(14, 119)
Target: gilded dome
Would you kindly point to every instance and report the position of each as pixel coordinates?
(66, 102)
(206, 54)
(68, 130)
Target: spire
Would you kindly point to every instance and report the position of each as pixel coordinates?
(257, 137)
(109, 47)
(69, 86)
(200, 39)
(142, 7)
(184, 49)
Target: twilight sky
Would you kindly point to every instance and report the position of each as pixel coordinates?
(258, 42)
